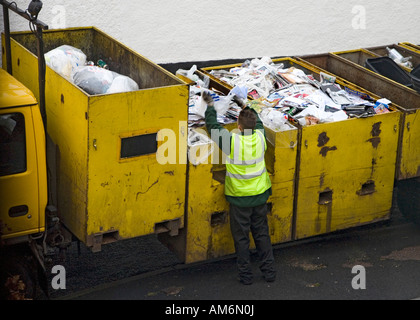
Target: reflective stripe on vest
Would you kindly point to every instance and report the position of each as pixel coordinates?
(246, 174)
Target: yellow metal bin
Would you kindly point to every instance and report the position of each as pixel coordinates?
(207, 232)
(345, 170)
(350, 66)
(409, 53)
(411, 46)
(112, 180)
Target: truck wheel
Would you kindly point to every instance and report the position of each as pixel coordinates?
(408, 199)
(17, 279)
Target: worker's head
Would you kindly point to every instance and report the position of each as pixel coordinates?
(247, 120)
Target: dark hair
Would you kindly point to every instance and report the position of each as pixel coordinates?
(247, 119)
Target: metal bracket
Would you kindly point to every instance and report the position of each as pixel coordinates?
(171, 226)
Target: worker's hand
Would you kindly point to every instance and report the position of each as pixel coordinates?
(207, 98)
(239, 101)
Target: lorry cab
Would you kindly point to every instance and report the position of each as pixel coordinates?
(23, 173)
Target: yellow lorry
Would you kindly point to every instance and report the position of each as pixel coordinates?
(23, 184)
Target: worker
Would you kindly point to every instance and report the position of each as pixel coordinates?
(247, 186)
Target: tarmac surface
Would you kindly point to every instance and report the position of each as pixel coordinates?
(385, 255)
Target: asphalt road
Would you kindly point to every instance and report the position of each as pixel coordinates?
(386, 256)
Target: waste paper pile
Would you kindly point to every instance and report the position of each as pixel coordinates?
(73, 65)
(283, 94)
(226, 106)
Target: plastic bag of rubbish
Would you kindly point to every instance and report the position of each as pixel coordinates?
(122, 84)
(221, 103)
(64, 60)
(198, 106)
(240, 91)
(275, 119)
(190, 74)
(94, 80)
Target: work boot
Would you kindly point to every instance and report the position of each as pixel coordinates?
(270, 278)
(245, 281)
(269, 275)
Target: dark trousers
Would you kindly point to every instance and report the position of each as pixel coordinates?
(242, 220)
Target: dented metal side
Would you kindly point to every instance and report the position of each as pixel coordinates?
(133, 193)
(346, 174)
(208, 232)
(410, 46)
(344, 170)
(104, 193)
(344, 65)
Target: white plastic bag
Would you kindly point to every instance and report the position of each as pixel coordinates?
(199, 106)
(222, 103)
(275, 119)
(190, 74)
(93, 80)
(240, 91)
(97, 80)
(122, 84)
(64, 60)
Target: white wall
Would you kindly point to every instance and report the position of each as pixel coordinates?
(192, 30)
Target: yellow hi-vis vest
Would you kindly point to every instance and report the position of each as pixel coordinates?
(246, 174)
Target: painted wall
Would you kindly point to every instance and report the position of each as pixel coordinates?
(170, 31)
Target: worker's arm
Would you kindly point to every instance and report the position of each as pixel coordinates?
(217, 133)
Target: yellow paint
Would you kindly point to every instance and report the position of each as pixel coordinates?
(350, 163)
(13, 93)
(346, 164)
(352, 184)
(208, 232)
(152, 192)
(408, 99)
(27, 188)
(346, 169)
(97, 191)
(410, 46)
(410, 147)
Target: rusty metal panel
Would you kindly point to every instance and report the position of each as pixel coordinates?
(345, 170)
(346, 174)
(105, 194)
(406, 99)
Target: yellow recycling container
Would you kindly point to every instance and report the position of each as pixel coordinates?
(112, 181)
(345, 170)
(207, 232)
(411, 54)
(411, 46)
(350, 65)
